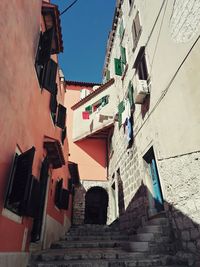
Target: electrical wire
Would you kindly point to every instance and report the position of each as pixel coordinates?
(67, 8)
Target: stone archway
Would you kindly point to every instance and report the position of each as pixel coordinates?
(96, 204)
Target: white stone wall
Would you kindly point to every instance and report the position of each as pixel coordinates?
(172, 123)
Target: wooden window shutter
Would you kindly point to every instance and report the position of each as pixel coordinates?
(49, 77)
(53, 100)
(45, 45)
(58, 192)
(130, 94)
(107, 75)
(89, 109)
(70, 185)
(64, 199)
(137, 24)
(118, 66)
(123, 54)
(33, 199)
(63, 135)
(121, 29)
(61, 118)
(21, 181)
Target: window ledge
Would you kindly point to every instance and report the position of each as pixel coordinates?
(12, 216)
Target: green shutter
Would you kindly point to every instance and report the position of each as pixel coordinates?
(89, 109)
(118, 67)
(121, 29)
(130, 94)
(107, 75)
(104, 100)
(123, 54)
(121, 109)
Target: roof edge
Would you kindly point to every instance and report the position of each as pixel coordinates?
(94, 93)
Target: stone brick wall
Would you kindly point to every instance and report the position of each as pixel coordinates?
(132, 199)
(182, 186)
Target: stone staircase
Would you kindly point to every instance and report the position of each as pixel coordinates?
(104, 246)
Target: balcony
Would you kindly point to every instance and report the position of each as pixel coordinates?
(94, 115)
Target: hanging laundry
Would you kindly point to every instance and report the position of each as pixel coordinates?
(85, 115)
(127, 111)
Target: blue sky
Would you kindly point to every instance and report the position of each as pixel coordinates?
(85, 29)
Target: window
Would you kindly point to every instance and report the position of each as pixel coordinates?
(140, 65)
(20, 183)
(61, 116)
(136, 30)
(130, 2)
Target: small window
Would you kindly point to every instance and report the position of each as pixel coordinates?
(61, 116)
(136, 30)
(141, 65)
(20, 181)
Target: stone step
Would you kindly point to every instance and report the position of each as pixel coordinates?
(85, 254)
(103, 263)
(158, 221)
(150, 237)
(94, 237)
(139, 261)
(86, 244)
(86, 232)
(136, 246)
(151, 229)
(143, 237)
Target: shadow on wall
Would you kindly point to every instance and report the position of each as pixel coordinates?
(95, 148)
(185, 232)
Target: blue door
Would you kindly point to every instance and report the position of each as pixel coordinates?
(158, 198)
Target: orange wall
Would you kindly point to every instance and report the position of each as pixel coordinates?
(24, 108)
(90, 154)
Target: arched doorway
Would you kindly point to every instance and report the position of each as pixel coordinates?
(96, 203)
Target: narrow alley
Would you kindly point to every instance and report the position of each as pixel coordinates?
(100, 174)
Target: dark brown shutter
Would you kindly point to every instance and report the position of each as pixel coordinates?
(70, 185)
(44, 49)
(49, 77)
(37, 224)
(73, 169)
(63, 135)
(64, 200)
(58, 193)
(61, 116)
(20, 186)
(53, 100)
(33, 199)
